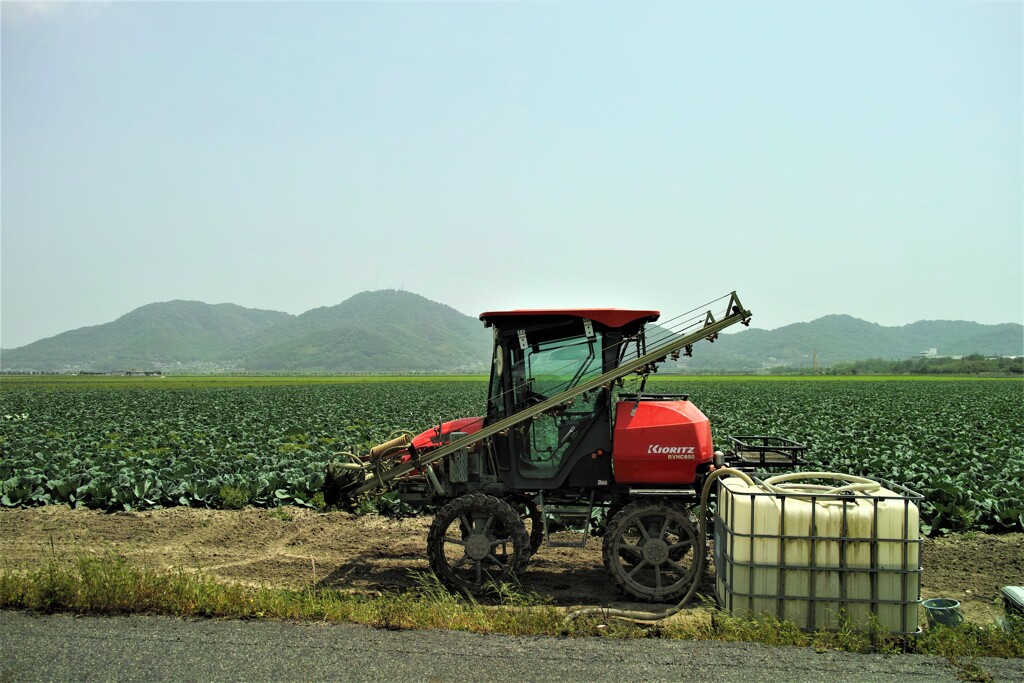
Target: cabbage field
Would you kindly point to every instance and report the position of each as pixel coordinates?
(146, 443)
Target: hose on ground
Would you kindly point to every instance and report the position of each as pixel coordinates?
(639, 617)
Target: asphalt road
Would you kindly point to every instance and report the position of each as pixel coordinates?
(143, 648)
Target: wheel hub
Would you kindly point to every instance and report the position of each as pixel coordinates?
(656, 551)
(478, 547)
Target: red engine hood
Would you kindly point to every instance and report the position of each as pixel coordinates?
(661, 442)
(432, 438)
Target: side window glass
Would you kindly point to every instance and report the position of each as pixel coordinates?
(496, 399)
(551, 369)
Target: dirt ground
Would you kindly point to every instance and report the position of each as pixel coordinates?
(371, 553)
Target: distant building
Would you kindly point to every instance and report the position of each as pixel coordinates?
(930, 353)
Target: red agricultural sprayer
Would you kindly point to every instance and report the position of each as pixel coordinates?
(560, 439)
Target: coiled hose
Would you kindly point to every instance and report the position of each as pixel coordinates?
(394, 444)
(348, 467)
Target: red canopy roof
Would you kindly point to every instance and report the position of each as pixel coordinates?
(610, 317)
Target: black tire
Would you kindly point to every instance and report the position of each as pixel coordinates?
(650, 548)
(475, 542)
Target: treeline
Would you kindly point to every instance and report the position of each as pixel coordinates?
(968, 365)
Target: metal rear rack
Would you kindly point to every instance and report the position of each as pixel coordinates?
(767, 451)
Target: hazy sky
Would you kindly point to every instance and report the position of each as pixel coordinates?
(817, 157)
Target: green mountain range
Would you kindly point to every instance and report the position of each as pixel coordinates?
(383, 331)
(397, 331)
(843, 338)
(155, 336)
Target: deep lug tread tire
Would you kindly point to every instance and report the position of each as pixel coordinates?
(496, 526)
(664, 576)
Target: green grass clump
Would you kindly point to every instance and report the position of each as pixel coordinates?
(233, 497)
(110, 585)
(280, 513)
(969, 639)
(769, 630)
(961, 645)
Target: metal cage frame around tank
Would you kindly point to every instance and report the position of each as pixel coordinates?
(908, 572)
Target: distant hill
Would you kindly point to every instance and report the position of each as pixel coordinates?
(842, 338)
(383, 331)
(155, 336)
(396, 331)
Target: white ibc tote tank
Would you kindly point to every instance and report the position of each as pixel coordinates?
(808, 552)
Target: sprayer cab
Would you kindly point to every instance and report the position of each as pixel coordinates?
(588, 447)
(603, 439)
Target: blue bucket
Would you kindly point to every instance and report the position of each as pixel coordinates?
(943, 612)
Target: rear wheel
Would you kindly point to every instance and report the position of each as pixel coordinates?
(475, 542)
(650, 549)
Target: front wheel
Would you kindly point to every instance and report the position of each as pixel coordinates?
(476, 541)
(650, 548)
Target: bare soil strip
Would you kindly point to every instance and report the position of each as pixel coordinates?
(371, 553)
